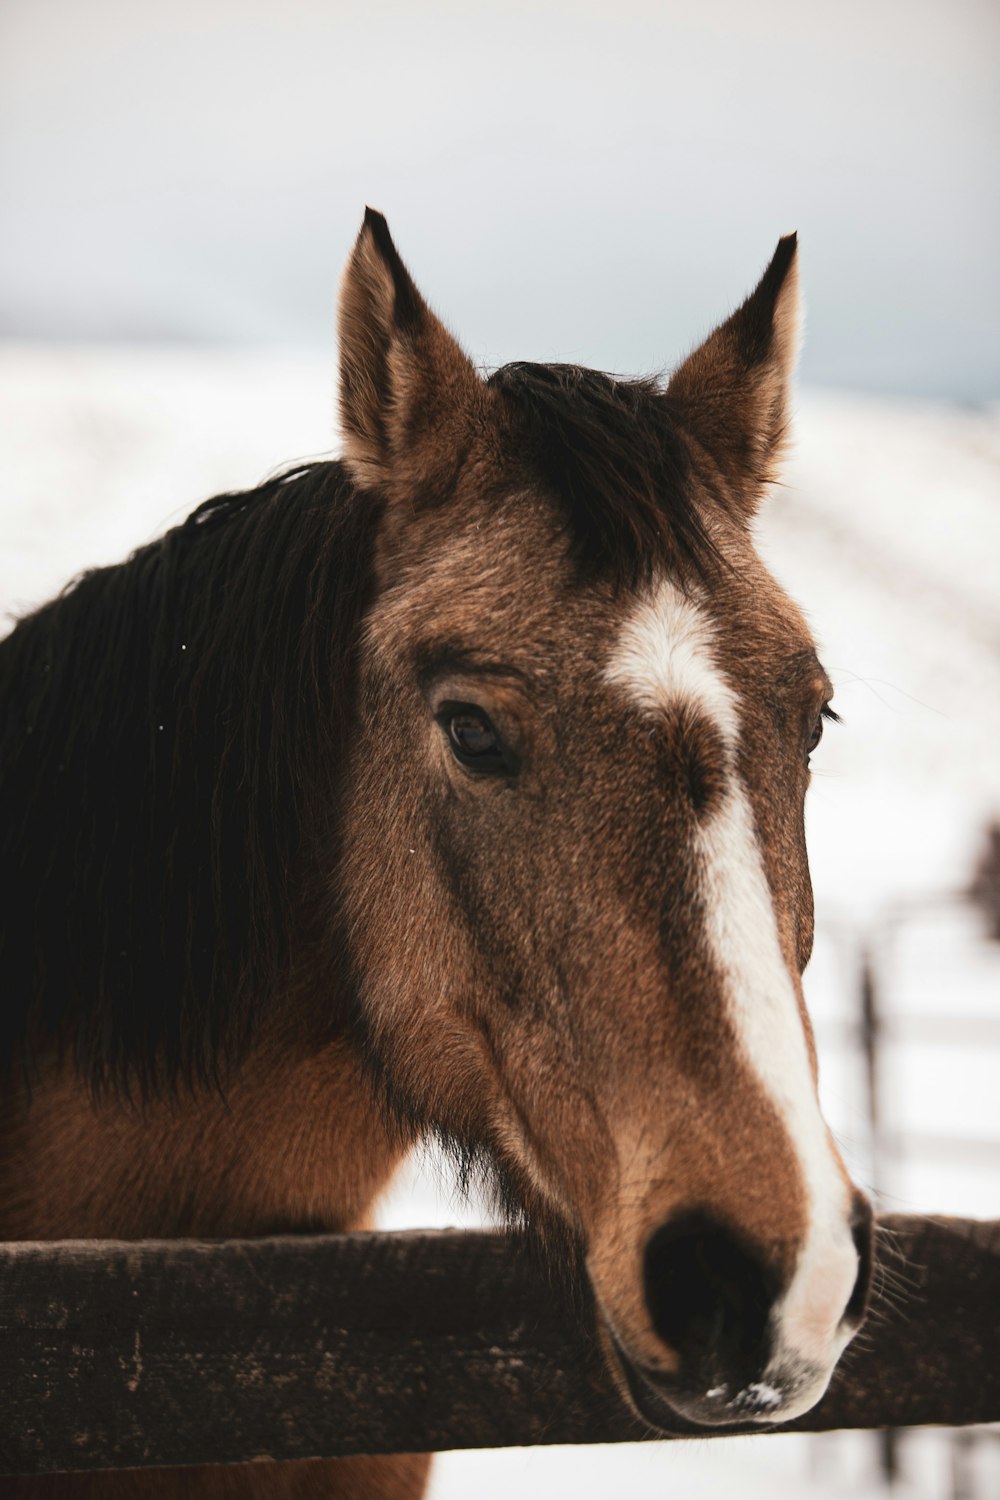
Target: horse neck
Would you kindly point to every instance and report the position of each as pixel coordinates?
(296, 1144)
(170, 734)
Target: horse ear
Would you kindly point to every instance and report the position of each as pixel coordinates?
(732, 393)
(406, 388)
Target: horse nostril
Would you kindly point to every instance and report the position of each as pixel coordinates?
(863, 1234)
(706, 1290)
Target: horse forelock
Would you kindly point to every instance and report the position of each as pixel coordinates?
(635, 494)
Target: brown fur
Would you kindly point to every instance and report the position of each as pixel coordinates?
(297, 1144)
(528, 973)
(401, 1474)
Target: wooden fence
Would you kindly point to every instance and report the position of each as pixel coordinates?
(122, 1354)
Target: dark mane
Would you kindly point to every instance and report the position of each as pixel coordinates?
(160, 724)
(612, 451)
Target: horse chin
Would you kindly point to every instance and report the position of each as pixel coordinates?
(670, 1404)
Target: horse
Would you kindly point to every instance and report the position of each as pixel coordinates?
(454, 787)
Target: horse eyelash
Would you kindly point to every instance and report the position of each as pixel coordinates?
(826, 712)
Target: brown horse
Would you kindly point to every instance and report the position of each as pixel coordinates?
(456, 787)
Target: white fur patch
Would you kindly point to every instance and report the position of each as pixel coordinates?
(664, 657)
(743, 936)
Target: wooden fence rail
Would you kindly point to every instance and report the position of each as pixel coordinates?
(121, 1354)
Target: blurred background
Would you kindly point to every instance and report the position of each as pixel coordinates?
(180, 186)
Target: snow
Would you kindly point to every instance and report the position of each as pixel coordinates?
(888, 530)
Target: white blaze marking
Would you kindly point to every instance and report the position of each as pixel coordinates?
(664, 657)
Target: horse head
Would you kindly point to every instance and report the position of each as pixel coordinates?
(575, 878)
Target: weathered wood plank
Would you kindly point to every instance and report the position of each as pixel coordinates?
(120, 1354)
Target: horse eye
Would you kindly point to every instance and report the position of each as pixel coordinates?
(472, 734)
(474, 742)
(826, 712)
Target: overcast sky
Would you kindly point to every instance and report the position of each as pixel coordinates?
(596, 182)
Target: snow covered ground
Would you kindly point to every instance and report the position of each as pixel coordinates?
(888, 530)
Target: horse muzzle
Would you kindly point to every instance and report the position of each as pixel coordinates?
(776, 1396)
(723, 1313)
